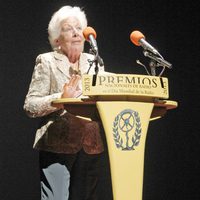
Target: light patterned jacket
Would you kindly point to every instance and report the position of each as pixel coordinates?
(51, 72)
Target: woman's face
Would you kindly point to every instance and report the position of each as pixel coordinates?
(71, 38)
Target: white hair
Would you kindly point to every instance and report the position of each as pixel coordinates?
(65, 12)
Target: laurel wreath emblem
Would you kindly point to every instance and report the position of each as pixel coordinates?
(135, 138)
(117, 137)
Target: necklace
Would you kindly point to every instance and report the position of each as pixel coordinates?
(74, 69)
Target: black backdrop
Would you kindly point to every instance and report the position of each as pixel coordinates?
(173, 143)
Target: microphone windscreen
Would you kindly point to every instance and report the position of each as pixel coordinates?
(89, 31)
(136, 36)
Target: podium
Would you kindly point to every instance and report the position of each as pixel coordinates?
(126, 104)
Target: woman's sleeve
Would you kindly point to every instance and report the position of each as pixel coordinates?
(38, 99)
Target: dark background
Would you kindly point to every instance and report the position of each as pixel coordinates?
(172, 148)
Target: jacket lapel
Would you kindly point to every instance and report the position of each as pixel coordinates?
(62, 63)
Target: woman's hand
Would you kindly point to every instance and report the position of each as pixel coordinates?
(71, 89)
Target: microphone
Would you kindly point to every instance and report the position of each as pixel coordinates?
(138, 39)
(90, 35)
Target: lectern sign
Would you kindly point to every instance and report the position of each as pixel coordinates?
(126, 84)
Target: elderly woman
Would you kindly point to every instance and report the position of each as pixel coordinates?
(68, 146)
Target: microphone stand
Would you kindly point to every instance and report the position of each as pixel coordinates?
(96, 69)
(152, 65)
(156, 61)
(97, 61)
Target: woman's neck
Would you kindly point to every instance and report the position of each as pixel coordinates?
(73, 55)
(73, 59)
(75, 65)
